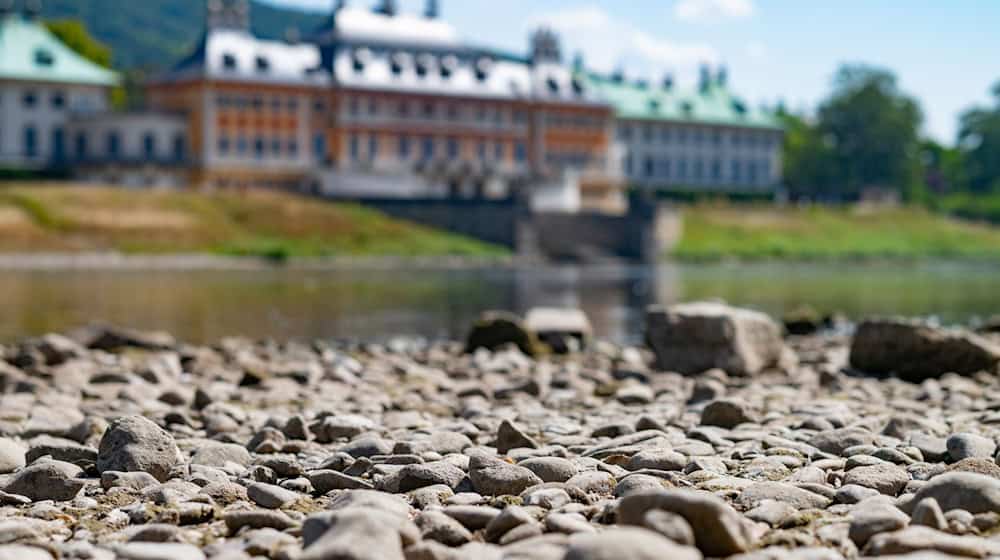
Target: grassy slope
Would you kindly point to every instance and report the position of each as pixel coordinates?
(60, 218)
(713, 231)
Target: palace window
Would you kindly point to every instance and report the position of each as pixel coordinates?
(81, 146)
(498, 151)
(114, 145)
(293, 148)
(149, 146)
(58, 100)
(735, 172)
(428, 148)
(224, 145)
(276, 146)
(58, 144)
(481, 150)
(180, 148)
(242, 145)
(44, 57)
(229, 62)
(355, 148)
(30, 142)
(30, 99)
(404, 147)
(372, 147)
(716, 170)
(453, 148)
(319, 146)
(520, 152)
(263, 65)
(258, 148)
(649, 167)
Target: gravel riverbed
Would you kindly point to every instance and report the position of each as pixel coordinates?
(721, 439)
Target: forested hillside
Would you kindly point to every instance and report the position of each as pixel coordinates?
(152, 34)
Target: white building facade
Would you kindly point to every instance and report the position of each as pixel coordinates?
(43, 86)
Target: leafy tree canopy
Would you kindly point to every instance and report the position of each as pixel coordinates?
(979, 142)
(74, 34)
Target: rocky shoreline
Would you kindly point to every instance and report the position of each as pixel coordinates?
(723, 438)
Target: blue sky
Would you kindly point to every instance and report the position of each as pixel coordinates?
(945, 52)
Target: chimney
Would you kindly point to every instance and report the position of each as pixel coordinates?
(705, 79)
(668, 82)
(227, 14)
(545, 47)
(388, 8)
(433, 10)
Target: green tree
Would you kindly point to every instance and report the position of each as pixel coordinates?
(871, 129)
(75, 36)
(808, 169)
(979, 142)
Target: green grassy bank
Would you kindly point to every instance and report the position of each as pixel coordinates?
(56, 218)
(715, 231)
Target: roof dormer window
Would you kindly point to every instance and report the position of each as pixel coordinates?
(654, 105)
(361, 58)
(578, 87)
(483, 67)
(448, 65)
(424, 63)
(229, 62)
(263, 65)
(397, 62)
(687, 108)
(553, 86)
(44, 57)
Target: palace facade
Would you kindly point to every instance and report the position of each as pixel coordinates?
(378, 103)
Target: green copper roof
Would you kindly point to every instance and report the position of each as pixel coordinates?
(714, 104)
(29, 52)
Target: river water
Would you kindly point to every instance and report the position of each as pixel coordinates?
(373, 303)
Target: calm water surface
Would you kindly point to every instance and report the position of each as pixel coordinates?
(375, 303)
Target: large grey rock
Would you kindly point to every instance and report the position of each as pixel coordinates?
(562, 330)
(360, 534)
(627, 543)
(886, 478)
(21, 552)
(158, 551)
(496, 329)
(916, 351)
(134, 443)
(972, 492)
(965, 446)
(924, 539)
(47, 480)
(726, 413)
(493, 477)
(420, 475)
(696, 337)
(718, 529)
(510, 437)
(872, 517)
(218, 454)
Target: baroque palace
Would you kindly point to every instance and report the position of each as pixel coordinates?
(377, 103)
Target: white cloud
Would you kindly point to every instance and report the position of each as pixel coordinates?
(607, 43)
(708, 11)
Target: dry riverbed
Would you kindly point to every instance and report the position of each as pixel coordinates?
(722, 439)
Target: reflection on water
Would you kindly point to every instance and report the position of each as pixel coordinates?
(373, 303)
